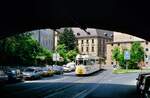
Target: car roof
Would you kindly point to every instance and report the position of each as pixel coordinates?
(147, 76)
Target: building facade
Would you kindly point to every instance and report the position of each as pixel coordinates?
(93, 41)
(124, 41)
(45, 37)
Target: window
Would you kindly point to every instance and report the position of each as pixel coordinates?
(87, 49)
(145, 56)
(82, 49)
(146, 42)
(92, 40)
(78, 34)
(105, 34)
(92, 49)
(92, 61)
(87, 41)
(146, 49)
(82, 41)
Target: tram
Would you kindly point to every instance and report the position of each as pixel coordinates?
(87, 64)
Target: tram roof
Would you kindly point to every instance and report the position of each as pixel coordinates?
(87, 57)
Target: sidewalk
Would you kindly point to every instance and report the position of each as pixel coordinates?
(107, 67)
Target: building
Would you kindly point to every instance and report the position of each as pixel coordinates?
(45, 37)
(93, 41)
(124, 41)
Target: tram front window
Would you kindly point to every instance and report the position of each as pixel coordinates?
(80, 62)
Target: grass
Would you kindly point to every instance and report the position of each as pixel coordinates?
(124, 71)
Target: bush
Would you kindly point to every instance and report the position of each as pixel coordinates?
(132, 65)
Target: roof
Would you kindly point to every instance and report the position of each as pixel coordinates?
(79, 33)
(124, 42)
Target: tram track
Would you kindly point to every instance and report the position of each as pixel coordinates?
(82, 92)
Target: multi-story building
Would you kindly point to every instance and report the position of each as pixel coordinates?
(45, 37)
(93, 41)
(124, 41)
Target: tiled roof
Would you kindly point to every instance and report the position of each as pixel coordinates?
(91, 32)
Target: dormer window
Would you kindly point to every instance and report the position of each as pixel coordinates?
(88, 33)
(105, 34)
(78, 34)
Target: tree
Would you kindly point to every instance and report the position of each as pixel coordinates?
(137, 54)
(67, 45)
(68, 39)
(122, 62)
(116, 54)
(71, 55)
(61, 49)
(21, 49)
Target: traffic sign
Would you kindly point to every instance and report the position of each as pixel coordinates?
(127, 55)
(56, 57)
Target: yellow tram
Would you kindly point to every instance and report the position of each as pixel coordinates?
(87, 64)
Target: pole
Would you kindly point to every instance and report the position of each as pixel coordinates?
(126, 64)
(56, 58)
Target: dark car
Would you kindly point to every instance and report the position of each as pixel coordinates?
(3, 77)
(14, 74)
(140, 80)
(144, 87)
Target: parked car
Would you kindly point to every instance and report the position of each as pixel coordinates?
(140, 80)
(32, 73)
(69, 67)
(46, 71)
(147, 93)
(144, 88)
(58, 69)
(14, 74)
(3, 77)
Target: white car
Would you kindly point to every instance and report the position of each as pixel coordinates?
(69, 67)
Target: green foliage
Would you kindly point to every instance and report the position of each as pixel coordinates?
(121, 61)
(115, 54)
(137, 55)
(68, 39)
(137, 52)
(61, 49)
(72, 54)
(67, 46)
(21, 49)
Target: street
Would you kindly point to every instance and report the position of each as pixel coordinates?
(102, 84)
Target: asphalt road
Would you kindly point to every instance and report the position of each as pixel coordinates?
(102, 84)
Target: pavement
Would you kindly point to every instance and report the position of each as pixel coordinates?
(102, 84)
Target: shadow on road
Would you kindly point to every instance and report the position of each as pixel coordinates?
(114, 91)
(68, 90)
(94, 73)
